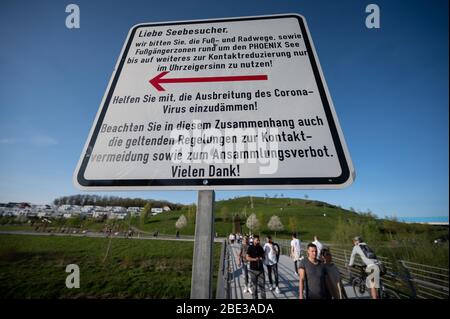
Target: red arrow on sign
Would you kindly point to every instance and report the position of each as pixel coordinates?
(157, 80)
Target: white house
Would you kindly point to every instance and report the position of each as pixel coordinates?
(157, 210)
(119, 209)
(99, 214)
(120, 216)
(87, 209)
(134, 210)
(65, 208)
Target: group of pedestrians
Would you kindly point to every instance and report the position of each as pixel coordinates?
(319, 277)
(252, 257)
(235, 238)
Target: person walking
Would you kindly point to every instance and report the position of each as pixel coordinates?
(255, 255)
(319, 246)
(295, 252)
(231, 237)
(333, 283)
(312, 276)
(271, 253)
(242, 261)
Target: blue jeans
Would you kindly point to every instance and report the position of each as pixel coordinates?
(273, 268)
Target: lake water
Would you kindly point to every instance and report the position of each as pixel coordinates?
(429, 219)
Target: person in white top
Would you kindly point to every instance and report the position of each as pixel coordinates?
(271, 261)
(318, 245)
(232, 238)
(295, 251)
(369, 258)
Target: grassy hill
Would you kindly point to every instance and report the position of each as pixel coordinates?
(331, 223)
(306, 217)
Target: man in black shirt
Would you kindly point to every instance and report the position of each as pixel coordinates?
(255, 255)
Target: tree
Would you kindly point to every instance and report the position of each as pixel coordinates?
(252, 223)
(75, 221)
(144, 213)
(181, 222)
(275, 224)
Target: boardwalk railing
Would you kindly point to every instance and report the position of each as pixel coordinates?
(223, 278)
(408, 279)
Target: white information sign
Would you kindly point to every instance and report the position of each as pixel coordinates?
(217, 104)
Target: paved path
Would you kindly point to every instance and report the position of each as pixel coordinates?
(288, 280)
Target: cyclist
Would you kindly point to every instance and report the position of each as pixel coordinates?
(369, 259)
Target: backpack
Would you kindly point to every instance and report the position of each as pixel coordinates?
(368, 252)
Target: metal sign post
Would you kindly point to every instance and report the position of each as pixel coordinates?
(202, 267)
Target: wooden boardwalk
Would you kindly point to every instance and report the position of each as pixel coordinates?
(288, 280)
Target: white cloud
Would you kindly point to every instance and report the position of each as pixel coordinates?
(43, 140)
(38, 140)
(9, 140)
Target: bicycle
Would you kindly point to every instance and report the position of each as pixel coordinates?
(360, 287)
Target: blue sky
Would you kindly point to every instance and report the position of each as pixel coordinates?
(389, 87)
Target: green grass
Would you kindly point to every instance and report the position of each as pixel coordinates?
(16, 227)
(34, 267)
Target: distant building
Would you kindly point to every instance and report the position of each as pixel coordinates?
(87, 209)
(119, 209)
(119, 216)
(134, 210)
(99, 214)
(65, 208)
(166, 209)
(156, 210)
